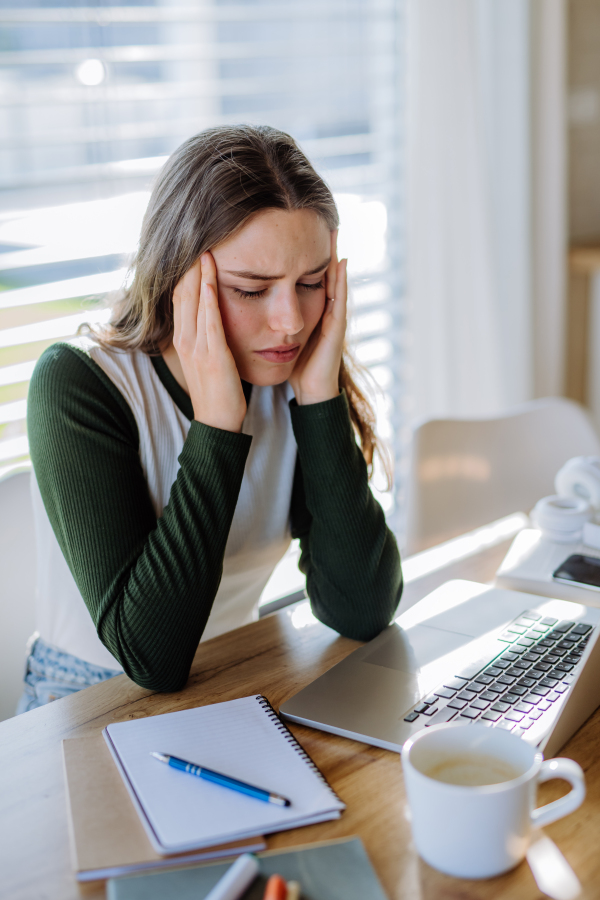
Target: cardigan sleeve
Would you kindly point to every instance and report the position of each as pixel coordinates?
(148, 583)
(349, 555)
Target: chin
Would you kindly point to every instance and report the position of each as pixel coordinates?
(268, 377)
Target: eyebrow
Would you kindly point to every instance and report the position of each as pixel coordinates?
(255, 276)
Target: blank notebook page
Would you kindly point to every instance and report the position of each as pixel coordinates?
(241, 738)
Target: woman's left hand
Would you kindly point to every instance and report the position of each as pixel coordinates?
(316, 374)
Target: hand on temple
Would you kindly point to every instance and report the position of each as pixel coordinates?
(316, 374)
(212, 378)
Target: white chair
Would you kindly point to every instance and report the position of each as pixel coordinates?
(468, 472)
(17, 586)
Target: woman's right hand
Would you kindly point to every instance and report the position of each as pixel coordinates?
(208, 365)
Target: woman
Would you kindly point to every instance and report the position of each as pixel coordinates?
(178, 450)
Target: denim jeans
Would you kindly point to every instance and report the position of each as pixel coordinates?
(51, 674)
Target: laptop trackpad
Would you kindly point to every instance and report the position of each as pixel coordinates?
(411, 650)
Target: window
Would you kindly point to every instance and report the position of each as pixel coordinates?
(95, 96)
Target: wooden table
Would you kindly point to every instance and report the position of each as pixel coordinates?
(277, 659)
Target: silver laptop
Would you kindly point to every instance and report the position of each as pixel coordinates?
(465, 653)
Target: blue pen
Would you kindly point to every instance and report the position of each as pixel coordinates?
(223, 780)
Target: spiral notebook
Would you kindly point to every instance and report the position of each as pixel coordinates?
(244, 739)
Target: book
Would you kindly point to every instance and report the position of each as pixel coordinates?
(106, 835)
(332, 870)
(242, 738)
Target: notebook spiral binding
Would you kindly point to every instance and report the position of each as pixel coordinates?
(285, 731)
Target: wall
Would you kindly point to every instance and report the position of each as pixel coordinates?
(584, 172)
(584, 116)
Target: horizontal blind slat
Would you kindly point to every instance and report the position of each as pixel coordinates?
(121, 93)
(54, 328)
(17, 373)
(247, 12)
(13, 448)
(13, 412)
(63, 290)
(136, 53)
(338, 146)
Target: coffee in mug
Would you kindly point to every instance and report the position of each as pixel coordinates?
(472, 770)
(471, 792)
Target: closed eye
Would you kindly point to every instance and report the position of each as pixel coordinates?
(249, 295)
(311, 287)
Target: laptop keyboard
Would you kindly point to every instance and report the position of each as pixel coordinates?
(512, 689)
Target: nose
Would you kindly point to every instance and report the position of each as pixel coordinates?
(285, 315)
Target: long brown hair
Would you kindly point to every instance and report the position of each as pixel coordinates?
(207, 190)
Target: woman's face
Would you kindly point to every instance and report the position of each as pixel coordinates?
(271, 278)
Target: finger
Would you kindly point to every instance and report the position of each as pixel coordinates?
(215, 334)
(332, 267)
(186, 297)
(211, 324)
(341, 288)
(334, 319)
(209, 270)
(215, 337)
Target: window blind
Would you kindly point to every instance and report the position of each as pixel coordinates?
(94, 97)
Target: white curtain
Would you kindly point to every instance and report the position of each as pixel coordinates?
(470, 267)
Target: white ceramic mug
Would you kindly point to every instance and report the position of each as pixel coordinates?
(480, 829)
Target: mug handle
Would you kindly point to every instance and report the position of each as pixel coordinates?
(570, 771)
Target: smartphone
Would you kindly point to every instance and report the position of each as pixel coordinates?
(580, 570)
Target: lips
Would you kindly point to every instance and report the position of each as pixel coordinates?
(284, 354)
